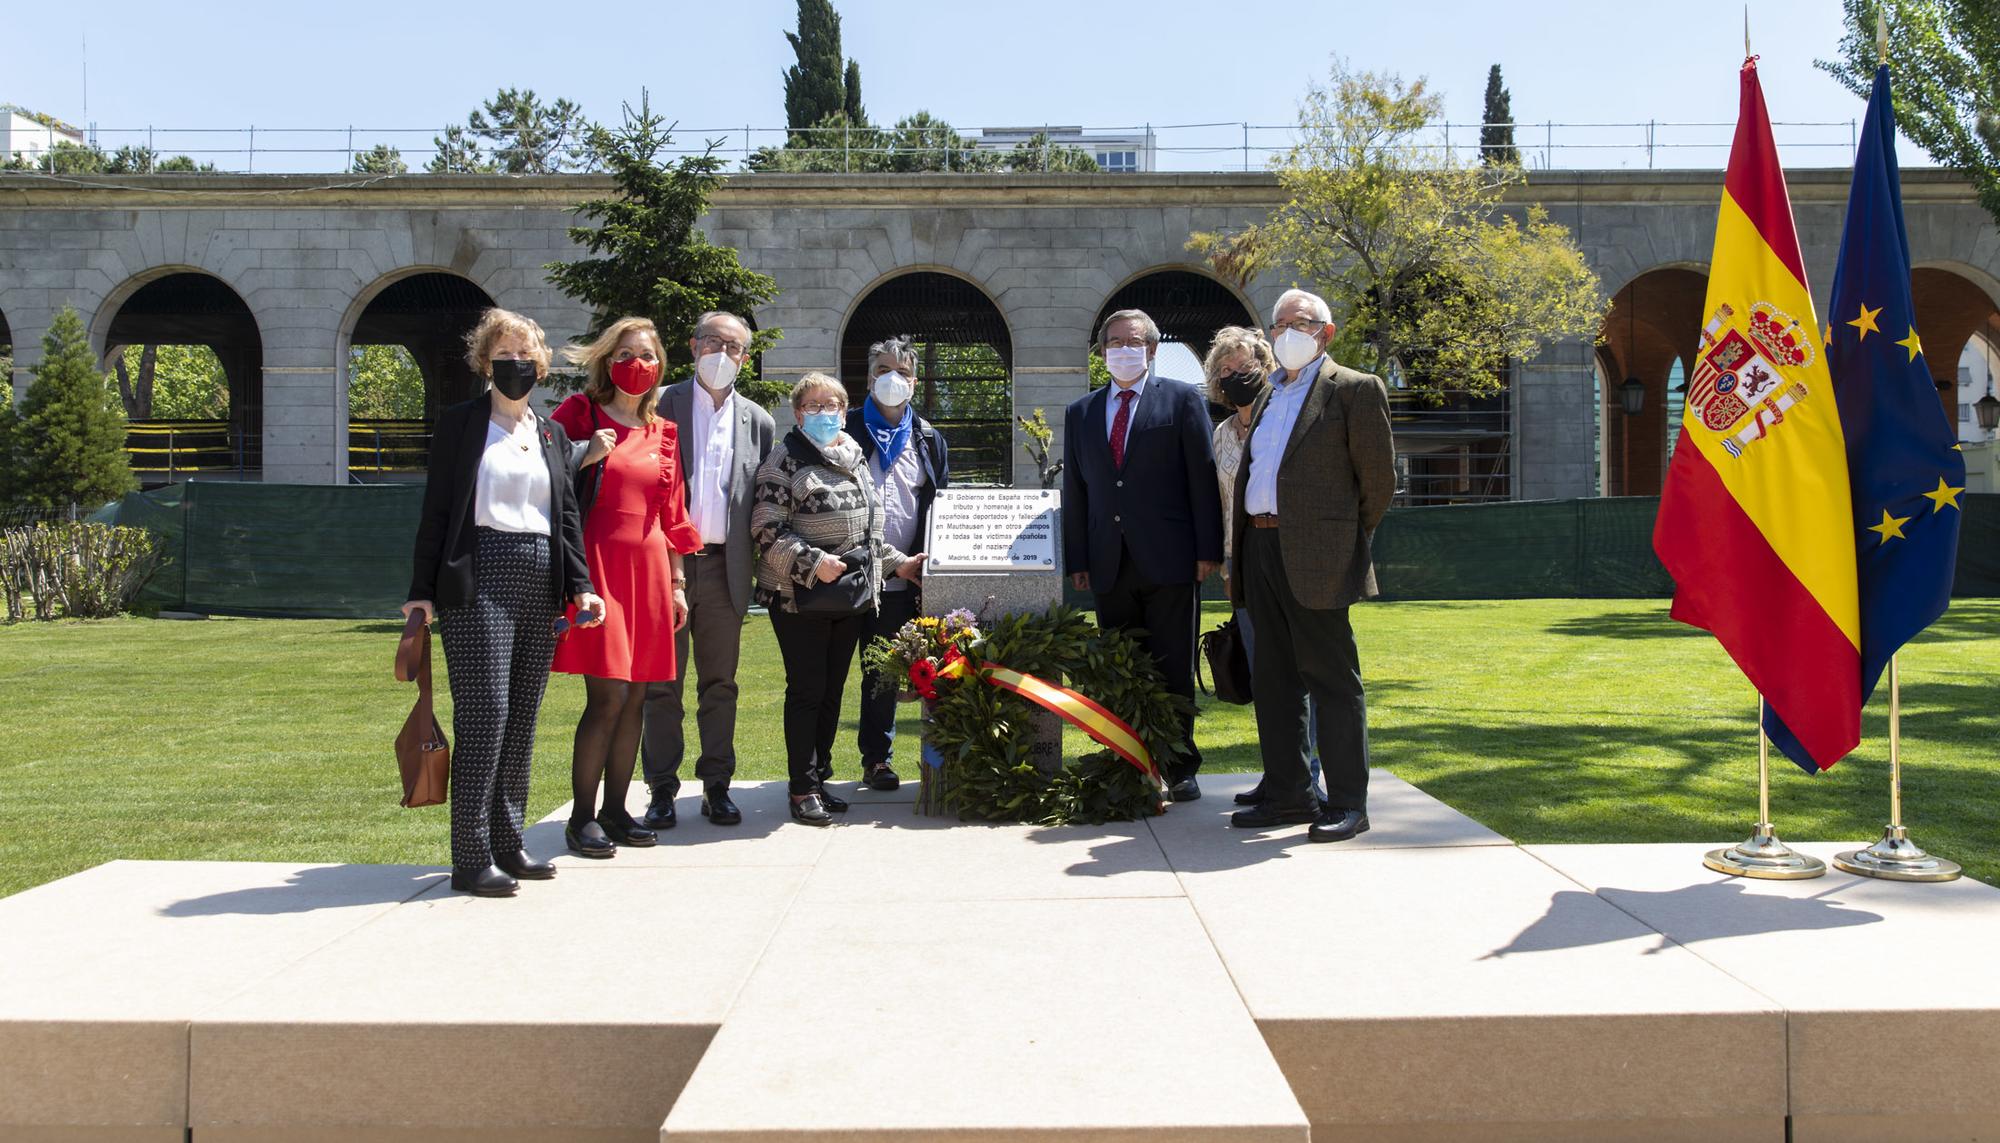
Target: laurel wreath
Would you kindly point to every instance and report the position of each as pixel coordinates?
(982, 733)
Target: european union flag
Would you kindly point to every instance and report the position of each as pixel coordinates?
(1902, 458)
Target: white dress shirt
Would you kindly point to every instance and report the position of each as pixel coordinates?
(1111, 404)
(1272, 434)
(708, 458)
(897, 491)
(512, 494)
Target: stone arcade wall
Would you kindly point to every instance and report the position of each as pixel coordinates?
(307, 253)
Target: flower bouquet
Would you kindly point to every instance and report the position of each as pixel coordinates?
(927, 657)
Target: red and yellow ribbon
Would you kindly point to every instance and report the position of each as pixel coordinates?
(1103, 726)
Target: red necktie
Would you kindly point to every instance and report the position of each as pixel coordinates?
(1119, 424)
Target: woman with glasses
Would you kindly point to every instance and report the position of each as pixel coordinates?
(819, 521)
(498, 550)
(635, 529)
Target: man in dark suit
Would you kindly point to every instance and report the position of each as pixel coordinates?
(1142, 516)
(724, 437)
(908, 461)
(1316, 477)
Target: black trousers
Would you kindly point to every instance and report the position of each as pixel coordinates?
(497, 649)
(877, 739)
(1303, 651)
(1164, 618)
(817, 650)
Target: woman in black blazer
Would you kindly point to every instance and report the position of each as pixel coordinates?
(499, 548)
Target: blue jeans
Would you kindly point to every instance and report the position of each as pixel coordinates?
(1242, 616)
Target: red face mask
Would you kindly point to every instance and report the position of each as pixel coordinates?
(634, 376)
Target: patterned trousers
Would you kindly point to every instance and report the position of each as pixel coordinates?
(497, 650)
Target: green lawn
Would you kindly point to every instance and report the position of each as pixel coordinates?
(1548, 720)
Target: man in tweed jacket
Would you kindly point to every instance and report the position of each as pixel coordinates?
(1316, 477)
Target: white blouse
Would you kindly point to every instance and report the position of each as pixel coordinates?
(513, 494)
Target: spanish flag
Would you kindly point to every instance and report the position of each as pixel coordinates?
(1755, 523)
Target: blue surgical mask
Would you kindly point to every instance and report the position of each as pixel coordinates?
(822, 427)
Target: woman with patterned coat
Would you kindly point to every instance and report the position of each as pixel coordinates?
(818, 522)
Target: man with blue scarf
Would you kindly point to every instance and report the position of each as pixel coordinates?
(908, 461)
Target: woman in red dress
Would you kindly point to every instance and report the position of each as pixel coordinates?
(635, 528)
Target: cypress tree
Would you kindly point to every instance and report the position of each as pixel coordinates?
(1496, 134)
(69, 441)
(815, 86)
(857, 115)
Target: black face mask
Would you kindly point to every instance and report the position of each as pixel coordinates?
(1241, 389)
(513, 379)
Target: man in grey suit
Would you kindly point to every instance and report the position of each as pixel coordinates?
(1316, 477)
(723, 438)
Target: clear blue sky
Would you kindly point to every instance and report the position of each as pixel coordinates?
(227, 63)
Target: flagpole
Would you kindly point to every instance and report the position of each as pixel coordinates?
(1763, 856)
(1896, 857)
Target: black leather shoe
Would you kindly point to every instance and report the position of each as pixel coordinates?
(659, 813)
(1264, 815)
(526, 868)
(622, 830)
(1339, 825)
(833, 804)
(487, 882)
(880, 777)
(1185, 790)
(1251, 796)
(588, 840)
(718, 809)
(810, 811)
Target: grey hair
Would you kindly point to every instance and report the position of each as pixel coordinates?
(1316, 304)
(711, 315)
(1146, 325)
(902, 347)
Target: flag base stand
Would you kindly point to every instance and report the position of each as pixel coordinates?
(1764, 857)
(1896, 858)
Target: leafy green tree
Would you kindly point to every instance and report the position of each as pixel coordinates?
(917, 143)
(1945, 56)
(649, 257)
(381, 159)
(69, 158)
(817, 85)
(171, 383)
(1436, 281)
(1039, 154)
(1496, 130)
(384, 383)
(69, 440)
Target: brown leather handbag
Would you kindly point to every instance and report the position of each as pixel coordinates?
(421, 750)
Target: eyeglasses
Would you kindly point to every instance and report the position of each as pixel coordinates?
(822, 407)
(1303, 325)
(1125, 343)
(713, 344)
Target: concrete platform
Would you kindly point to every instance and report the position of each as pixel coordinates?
(1892, 990)
(903, 977)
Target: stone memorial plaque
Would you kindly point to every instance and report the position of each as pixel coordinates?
(993, 530)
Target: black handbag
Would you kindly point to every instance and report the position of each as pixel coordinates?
(1228, 662)
(844, 596)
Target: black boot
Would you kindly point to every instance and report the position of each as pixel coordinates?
(487, 882)
(717, 808)
(519, 864)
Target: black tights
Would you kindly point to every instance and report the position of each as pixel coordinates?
(607, 745)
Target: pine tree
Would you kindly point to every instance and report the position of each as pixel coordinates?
(816, 86)
(69, 443)
(1496, 135)
(652, 260)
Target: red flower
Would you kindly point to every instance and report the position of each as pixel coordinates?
(923, 676)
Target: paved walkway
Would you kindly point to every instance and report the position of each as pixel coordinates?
(903, 977)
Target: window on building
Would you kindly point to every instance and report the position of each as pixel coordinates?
(1121, 161)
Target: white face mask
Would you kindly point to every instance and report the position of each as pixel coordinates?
(1295, 350)
(716, 371)
(1127, 363)
(892, 390)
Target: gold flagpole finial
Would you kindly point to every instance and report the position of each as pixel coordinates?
(1881, 35)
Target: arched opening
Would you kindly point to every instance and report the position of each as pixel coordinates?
(965, 365)
(189, 364)
(405, 364)
(1953, 312)
(1188, 307)
(1650, 335)
(1978, 378)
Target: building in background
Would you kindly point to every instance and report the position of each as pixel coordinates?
(31, 134)
(1117, 152)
